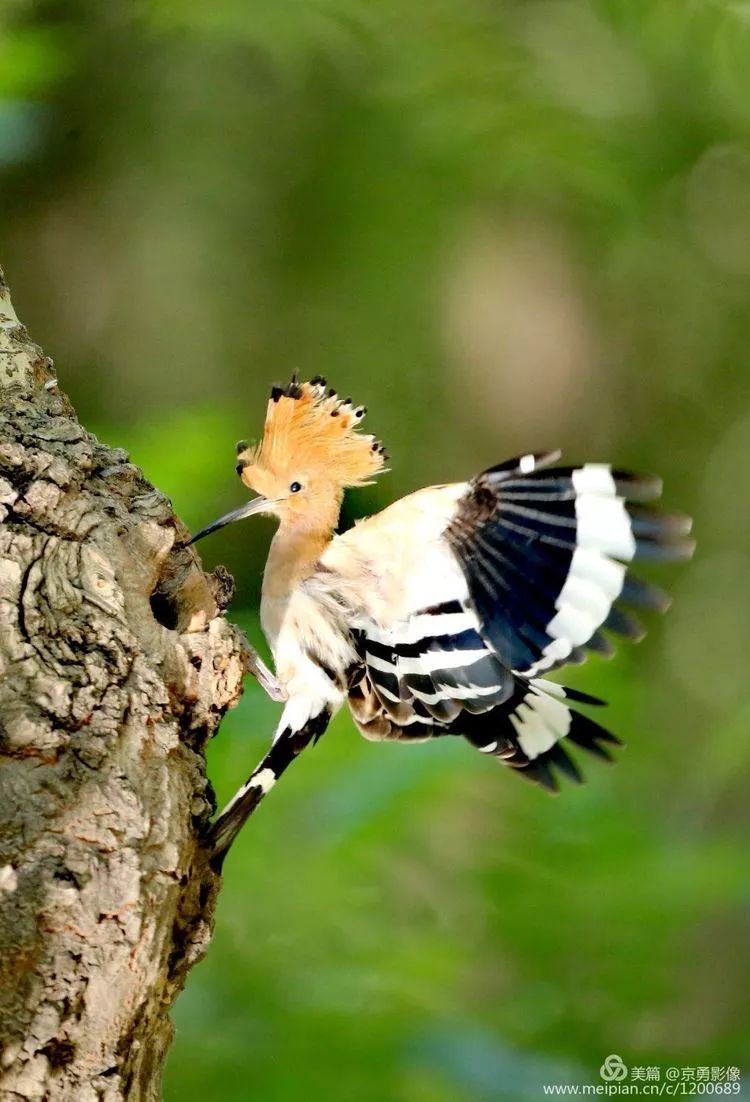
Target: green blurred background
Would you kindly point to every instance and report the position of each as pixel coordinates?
(503, 226)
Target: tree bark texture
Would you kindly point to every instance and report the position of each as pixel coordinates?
(116, 665)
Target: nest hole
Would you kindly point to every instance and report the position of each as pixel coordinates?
(164, 609)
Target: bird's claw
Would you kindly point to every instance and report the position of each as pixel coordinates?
(255, 665)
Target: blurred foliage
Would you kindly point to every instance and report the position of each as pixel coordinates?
(502, 225)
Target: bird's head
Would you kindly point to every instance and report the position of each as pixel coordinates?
(310, 452)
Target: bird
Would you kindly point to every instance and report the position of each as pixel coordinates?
(445, 613)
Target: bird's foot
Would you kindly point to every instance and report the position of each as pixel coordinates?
(255, 665)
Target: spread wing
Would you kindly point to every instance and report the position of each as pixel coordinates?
(479, 588)
(545, 555)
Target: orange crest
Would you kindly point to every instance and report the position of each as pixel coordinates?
(312, 430)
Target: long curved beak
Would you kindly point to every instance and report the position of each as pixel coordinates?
(257, 505)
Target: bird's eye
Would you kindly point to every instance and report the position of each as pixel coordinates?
(295, 487)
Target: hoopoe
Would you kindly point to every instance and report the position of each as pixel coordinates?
(444, 613)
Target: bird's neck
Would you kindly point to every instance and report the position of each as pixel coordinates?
(295, 549)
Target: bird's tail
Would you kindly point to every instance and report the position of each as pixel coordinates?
(287, 745)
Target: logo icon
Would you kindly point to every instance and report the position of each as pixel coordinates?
(613, 1070)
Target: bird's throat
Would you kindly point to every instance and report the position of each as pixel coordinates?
(294, 552)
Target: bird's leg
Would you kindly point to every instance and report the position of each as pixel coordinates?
(289, 742)
(255, 665)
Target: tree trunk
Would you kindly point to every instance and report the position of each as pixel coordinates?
(115, 668)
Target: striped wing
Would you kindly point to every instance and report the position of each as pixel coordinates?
(434, 665)
(545, 555)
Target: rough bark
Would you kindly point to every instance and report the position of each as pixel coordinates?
(115, 668)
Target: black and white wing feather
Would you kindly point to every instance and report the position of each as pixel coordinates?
(436, 659)
(545, 555)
